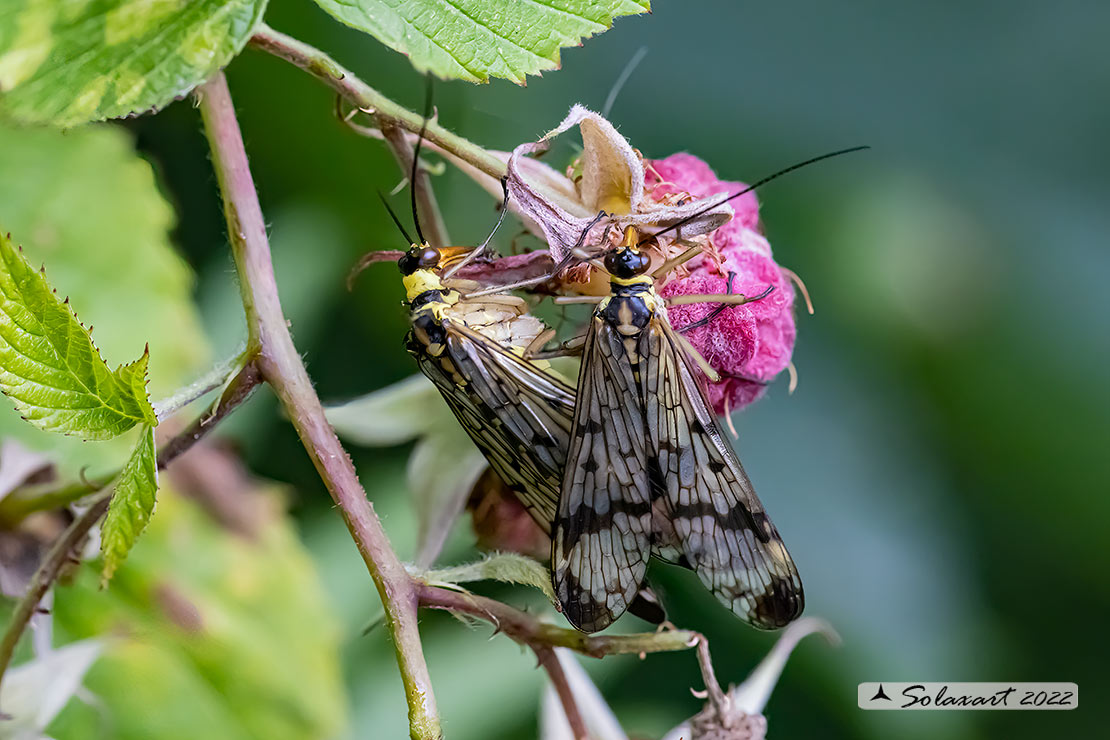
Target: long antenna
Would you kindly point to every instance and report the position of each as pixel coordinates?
(396, 220)
(621, 79)
(750, 188)
(416, 155)
(482, 247)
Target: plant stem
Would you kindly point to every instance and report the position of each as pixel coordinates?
(202, 386)
(282, 368)
(47, 571)
(320, 65)
(709, 677)
(527, 630)
(22, 502)
(482, 166)
(550, 662)
(238, 390)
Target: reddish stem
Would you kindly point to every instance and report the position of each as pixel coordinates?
(281, 366)
(550, 662)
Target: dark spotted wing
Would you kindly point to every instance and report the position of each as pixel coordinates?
(517, 414)
(602, 533)
(719, 525)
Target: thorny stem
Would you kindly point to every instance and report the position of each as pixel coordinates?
(484, 167)
(544, 638)
(48, 571)
(717, 695)
(201, 387)
(25, 501)
(238, 390)
(527, 630)
(281, 366)
(550, 662)
(320, 65)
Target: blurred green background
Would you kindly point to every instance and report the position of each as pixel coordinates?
(941, 473)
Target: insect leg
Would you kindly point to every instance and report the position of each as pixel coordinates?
(569, 348)
(481, 247)
(681, 259)
(565, 299)
(713, 375)
(738, 299)
(747, 378)
(715, 312)
(514, 243)
(536, 345)
(575, 252)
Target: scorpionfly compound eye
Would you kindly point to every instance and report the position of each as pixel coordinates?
(419, 257)
(429, 258)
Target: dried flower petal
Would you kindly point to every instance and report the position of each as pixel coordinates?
(613, 178)
(684, 173)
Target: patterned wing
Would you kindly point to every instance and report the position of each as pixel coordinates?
(518, 415)
(536, 406)
(602, 533)
(719, 525)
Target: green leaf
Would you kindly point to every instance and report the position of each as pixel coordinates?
(132, 504)
(88, 206)
(503, 566)
(68, 63)
(50, 367)
(214, 634)
(478, 39)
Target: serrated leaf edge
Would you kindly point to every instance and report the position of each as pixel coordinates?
(142, 461)
(515, 75)
(148, 416)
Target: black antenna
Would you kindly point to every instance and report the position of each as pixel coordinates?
(750, 188)
(396, 220)
(482, 247)
(416, 154)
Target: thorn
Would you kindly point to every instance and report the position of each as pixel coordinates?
(699, 693)
(793, 378)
